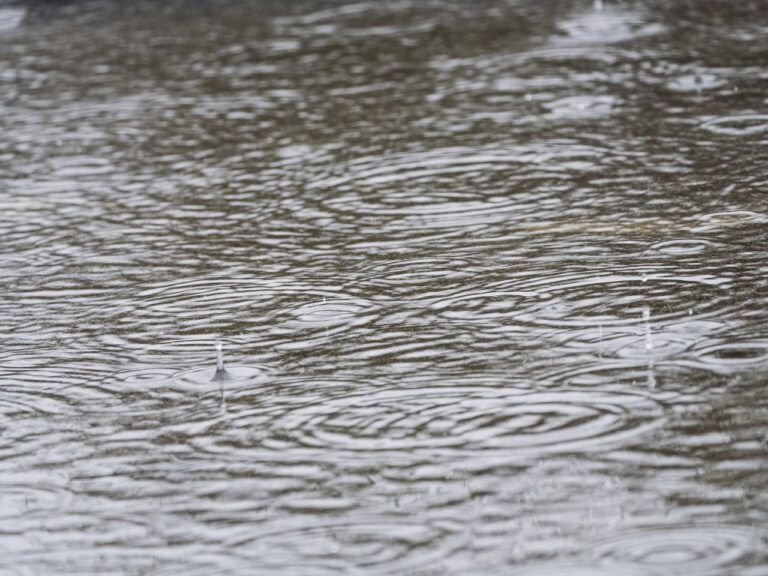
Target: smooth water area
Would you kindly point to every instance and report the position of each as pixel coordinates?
(491, 280)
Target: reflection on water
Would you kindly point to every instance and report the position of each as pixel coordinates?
(490, 278)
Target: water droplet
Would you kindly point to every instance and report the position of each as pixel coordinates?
(221, 372)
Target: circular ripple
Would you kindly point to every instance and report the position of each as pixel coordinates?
(375, 543)
(603, 374)
(743, 125)
(221, 305)
(685, 549)
(579, 300)
(584, 300)
(143, 377)
(465, 418)
(682, 247)
(208, 295)
(238, 376)
(609, 24)
(660, 344)
(425, 165)
(155, 381)
(330, 313)
(628, 342)
(581, 107)
(440, 189)
(578, 569)
(17, 400)
(695, 82)
(173, 395)
(22, 500)
(729, 356)
(55, 371)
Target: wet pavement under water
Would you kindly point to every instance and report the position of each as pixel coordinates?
(490, 279)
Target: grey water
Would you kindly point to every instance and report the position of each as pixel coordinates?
(491, 280)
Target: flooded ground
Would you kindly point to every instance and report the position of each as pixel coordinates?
(491, 280)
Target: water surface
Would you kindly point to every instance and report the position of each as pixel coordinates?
(490, 279)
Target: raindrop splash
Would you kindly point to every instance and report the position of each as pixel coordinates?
(221, 374)
(648, 347)
(648, 335)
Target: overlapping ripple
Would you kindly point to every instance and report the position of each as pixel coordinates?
(489, 278)
(458, 419)
(402, 190)
(680, 549)
(580, 300)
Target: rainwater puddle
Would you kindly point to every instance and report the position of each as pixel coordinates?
(490, 281)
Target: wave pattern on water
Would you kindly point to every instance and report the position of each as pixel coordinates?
(490, 280)
(678, 550)
(456, 418)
